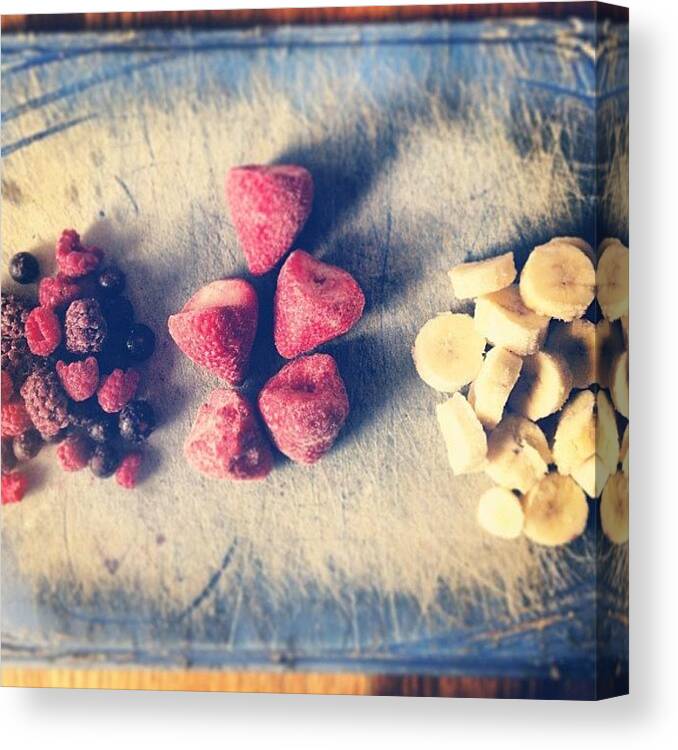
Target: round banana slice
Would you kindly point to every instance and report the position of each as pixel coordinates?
(591, 476)
(558, 280)
(500, 513)
(482, 277)
(517, 453)
(607, 434)
(624, 452)
(489, 392)
(575, 342)
(575, 438)
(503, 319)
(614, 508)
(544, 384)
(555, 511)
(613, 280)
(608, 345)
(463, 434)
(619, 384)
(448, 351)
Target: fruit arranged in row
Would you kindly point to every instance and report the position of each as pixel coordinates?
(554, 357)
(69, 369)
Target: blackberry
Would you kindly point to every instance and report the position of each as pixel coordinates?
(104, 461)
(27, 445)
(8, 457)
(101, 429)
(24, 268)
(111, 281)
(46, 402)
(140, 342)
(85, 325)
(136, 421)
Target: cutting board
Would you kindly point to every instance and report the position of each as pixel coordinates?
(430, 143)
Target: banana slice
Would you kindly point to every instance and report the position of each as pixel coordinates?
(448, 351)
(489, 392)
(575, 342)
(483, 276)
(517, 453)
(555, 511)
(575, 438)
(619, 384)
(624, 452)
(613, 280)
(607, 434)
(580, 243)
(544, 384)
(591, 476)
(558, 280)
(463, 434)
(608, 346)
(500, 513)
(502, 318)
(614, 508)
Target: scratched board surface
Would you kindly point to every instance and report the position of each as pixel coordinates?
(430, 144)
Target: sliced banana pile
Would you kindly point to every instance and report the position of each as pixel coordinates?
(557, 364)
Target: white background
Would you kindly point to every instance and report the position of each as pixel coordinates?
(101, 720)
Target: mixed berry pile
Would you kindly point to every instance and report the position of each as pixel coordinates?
(69, 369)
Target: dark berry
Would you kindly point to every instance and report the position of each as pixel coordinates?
(136, 421)
(82, 412)
(119, 314)
(111, 281)
(27, 445)
(101, 429)
(140, 342)
(85, 326)
(113, 357)
(104, 461)
(24, 268)
(8, 457)
(57, 437)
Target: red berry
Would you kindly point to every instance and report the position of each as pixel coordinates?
(127, 473)
(14, 485)
(15, 419)
(7, 385)
(43, 331)
(226, 441)
(305, 406)
(79, 379)
(269, 207)
(314, 302)
(216, 328)
(75, 259)
(58, 292)
(117, 389)
(73, 453)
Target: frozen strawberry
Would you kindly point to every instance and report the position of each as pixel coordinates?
(14, 485)
(269, 207)
(7, 385)
(15, 419)
(74, 453)
(43, 331)
(79, 379)
(314, 302)
(117, 389)
(127, 473)
(75, 259)
(226, 441)
(58, 292)
(216, 328)
(305, 406)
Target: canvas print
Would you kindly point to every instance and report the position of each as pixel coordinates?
(315, 350)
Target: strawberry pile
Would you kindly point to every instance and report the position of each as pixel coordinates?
(69, 372)
(304, 406)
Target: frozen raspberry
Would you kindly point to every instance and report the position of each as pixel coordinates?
(79, 379)
(75, 259)
(216, 328)
(127, 473)
(74, 453)
(314, 302)
(117, 389)
(226, 441)
(85, 326)
(15, 419)
(7, 385)
(305, 406)
(14, 485)
(269, 207)
(46, 402)
(43, 331)
(58, 292)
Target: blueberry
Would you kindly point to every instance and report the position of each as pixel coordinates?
(101, 429)
(140, 342)
(111, 281)
(119, 314)
(27, 445)
(24, 268)
(136, 421)
(104, 461)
